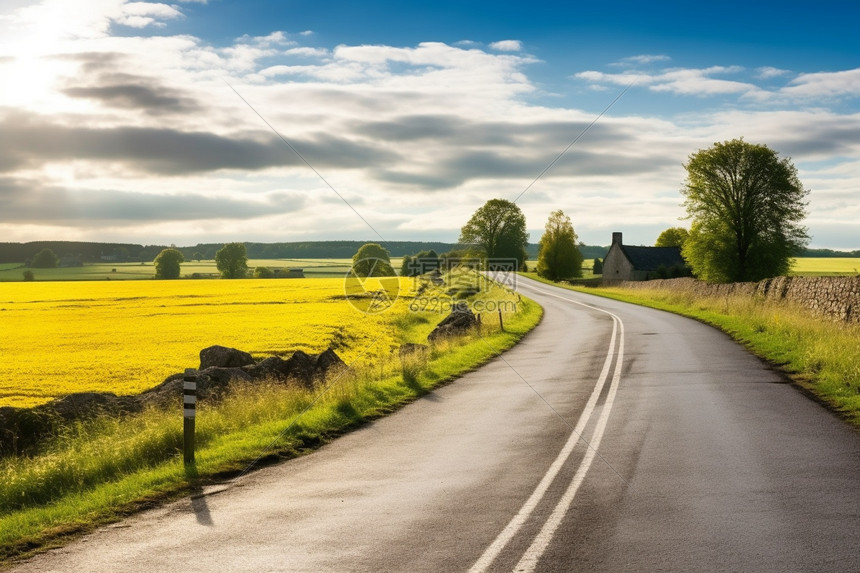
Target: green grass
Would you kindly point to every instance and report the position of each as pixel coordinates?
(825, 266)
(101, 470)
(314, 268)
(820, 356)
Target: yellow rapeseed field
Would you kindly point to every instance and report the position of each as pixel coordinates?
(124, 337)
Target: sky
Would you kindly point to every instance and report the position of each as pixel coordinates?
(270, 121)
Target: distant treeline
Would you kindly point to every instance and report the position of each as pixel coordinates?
(822, 253)
(71, 252)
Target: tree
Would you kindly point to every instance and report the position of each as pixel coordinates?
(747, 205)
(232, 261)
(264, 273)
(29, 276)
(197, 256)
(372, 260)
(558, 255)
(498, 229)
(45, 259)
(167, 264)
(672, 237)
(423, 262)
(597, 268)
(407, 267)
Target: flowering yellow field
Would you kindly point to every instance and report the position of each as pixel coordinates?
(124, 337)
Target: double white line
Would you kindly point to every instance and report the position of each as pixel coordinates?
(530, 558)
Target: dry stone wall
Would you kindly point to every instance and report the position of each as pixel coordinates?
(837, 298)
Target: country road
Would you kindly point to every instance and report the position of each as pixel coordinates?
(612, 438)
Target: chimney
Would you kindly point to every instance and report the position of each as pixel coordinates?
(616, 238)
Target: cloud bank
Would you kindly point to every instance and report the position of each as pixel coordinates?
(107, 135)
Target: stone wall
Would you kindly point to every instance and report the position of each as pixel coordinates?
(837, 298)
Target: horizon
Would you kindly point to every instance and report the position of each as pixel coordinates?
(143, 122)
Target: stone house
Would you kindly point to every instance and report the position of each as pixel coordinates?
(627, 263)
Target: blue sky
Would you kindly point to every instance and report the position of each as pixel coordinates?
(121, 121)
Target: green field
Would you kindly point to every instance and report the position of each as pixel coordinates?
(313, 268)
(328, 268)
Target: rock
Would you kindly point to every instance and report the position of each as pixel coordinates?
(327, 362)
(224, 357)
(273, 367)
(300, 368)
(460, 321)
(216, 378)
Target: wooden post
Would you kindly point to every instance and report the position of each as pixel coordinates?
(501, 324)
(189, 411)
(479, 323)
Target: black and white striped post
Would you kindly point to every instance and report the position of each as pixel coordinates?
(189, 410)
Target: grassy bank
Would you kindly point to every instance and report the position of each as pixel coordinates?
(821, 356)
(104, 469)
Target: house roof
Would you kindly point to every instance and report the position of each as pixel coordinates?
(651, 258)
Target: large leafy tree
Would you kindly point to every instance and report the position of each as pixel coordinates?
(167, 264)
(559, 256)
(232, 261)
(372, 260)
(672, 237)
(498, 230)
(747, 205)
(45, 259)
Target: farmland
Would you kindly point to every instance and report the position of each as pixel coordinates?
(314, 268)
(127, 336)
(825, 266)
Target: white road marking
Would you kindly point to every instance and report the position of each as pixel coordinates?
(542, 540)
(530, 558)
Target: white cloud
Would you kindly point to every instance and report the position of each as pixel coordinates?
(507, 46)
(825, 84)
(768, 72)
(416, 137)
(679, 80)
(143, 14)
(647, 58)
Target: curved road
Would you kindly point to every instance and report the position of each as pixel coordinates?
(612, 438)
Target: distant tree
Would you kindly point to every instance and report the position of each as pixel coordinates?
(747, 205)
(232, 261)
(197, 256)
(421, 263)
(45, 259)
(29, 276)
(498, 230)
(597, 268)
(264, 273)
(672, 237)
(558, 253)
(167, 264)
(372, 260)
(452, 258)
(407, 267)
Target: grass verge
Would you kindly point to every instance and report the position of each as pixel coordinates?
(104, 469)
(820, 356)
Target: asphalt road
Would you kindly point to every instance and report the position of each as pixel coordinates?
(612, 438)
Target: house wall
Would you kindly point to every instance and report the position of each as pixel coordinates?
(616, 266)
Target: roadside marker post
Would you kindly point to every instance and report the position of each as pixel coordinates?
(189, 411)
